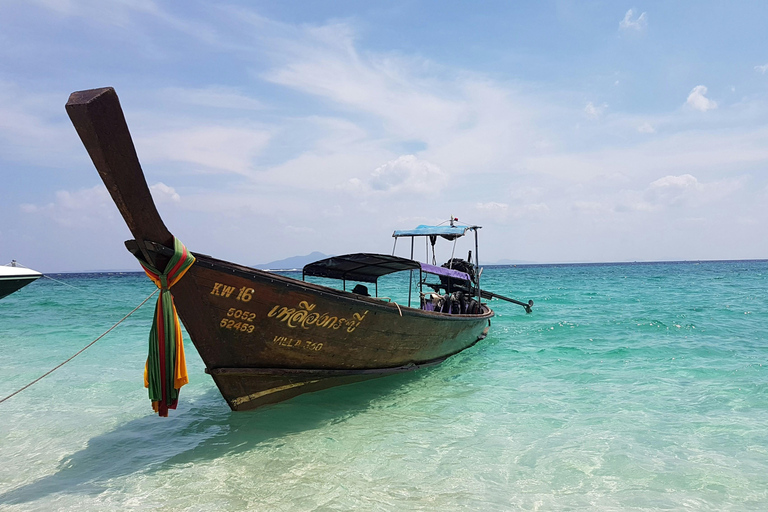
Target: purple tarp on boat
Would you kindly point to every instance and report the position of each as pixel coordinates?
(441, 271)
(369, 267)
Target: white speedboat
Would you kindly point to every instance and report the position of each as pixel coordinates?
(13, 277)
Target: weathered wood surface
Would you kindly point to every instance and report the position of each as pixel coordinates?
(270, 335)
(100, 123)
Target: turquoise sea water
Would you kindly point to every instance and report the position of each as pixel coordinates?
(630, 387)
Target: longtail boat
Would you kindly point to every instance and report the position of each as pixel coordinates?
(266, 337)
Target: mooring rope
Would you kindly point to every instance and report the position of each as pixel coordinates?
(66, 284)
(15, 263)
(84, 290)
(82, 349)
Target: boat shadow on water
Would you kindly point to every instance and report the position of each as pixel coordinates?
(206, 430)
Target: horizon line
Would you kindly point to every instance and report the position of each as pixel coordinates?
(526, 264)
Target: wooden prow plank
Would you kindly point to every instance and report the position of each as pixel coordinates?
(100, 123)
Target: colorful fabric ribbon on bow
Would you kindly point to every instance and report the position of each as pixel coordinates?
(166, 369)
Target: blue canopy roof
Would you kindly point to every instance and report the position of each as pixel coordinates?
(449, 232)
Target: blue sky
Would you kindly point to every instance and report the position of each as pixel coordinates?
(571, 131)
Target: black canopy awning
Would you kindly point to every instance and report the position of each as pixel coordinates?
(363, 267)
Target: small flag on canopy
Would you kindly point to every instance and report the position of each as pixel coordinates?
(166, 369)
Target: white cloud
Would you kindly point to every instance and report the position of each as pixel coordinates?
(682, 148)
(492, 206)
(593, 111)
(628, 23)
(671, 191)
(463, 120)
(646, 128)
(762, 69)
(407, 174)
(684, 193)
(685, 190)
(685, 181)
(699, 101)
(219, 149)
(78, 209)
(326, 64)
(162, 193)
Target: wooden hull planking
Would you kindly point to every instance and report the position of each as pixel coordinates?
(266, 337)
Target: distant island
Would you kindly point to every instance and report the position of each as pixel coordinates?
(292, 262)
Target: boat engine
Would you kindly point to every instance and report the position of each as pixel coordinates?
(450, 284)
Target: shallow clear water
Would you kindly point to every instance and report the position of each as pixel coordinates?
(630, 387)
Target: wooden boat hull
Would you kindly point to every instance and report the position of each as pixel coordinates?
(266, 337)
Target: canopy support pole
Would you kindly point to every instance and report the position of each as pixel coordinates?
(477, 266)
(410, 278)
